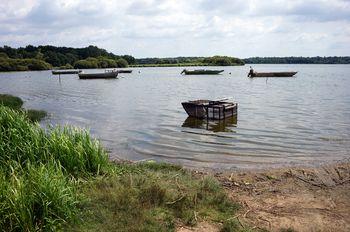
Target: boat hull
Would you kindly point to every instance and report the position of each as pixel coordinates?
(60, 72)
(210, 109)
(124, 71)
(195, 108)
(106, 75)
(273, 74)
(202, 72)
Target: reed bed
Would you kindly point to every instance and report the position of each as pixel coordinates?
(39, 169)
(16, 103)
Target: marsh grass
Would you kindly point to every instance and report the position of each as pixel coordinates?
(11, 101)
(39, 170)
(16, 103)
(35, 115)
(37, 197)
(61, 179)
(73, 148)
(152, 197)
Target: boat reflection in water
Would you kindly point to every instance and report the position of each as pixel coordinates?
(224, 125)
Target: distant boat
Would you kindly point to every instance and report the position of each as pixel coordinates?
(125, 71)
(105, 75)
(119, 70)
(201, 72)
(271, 74)
(59, 72)
(217, 109)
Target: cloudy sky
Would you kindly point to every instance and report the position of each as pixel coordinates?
(167, 28)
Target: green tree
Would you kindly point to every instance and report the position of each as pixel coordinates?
(122, 63)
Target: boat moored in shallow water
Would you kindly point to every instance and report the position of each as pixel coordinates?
(60, 72)
(271, 74)
(105, 75)
(201, 72)
(124, 71)
(217, 109)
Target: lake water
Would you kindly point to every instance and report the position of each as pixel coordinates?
(281, 121)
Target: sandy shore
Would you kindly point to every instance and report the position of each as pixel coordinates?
(303, 199)
(295, 198)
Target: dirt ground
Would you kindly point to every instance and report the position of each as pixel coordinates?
(296, 198)
(302, 199)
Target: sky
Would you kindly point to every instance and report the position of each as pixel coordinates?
(170, 28)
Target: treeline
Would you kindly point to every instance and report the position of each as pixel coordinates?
(210, 61)
(47, 57)
(299, 60)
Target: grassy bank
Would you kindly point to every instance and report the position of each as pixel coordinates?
(16, 103)
(62, 179)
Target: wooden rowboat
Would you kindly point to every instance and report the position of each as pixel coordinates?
(272, 74)
(125, 71)
(218, 109)
(201, 72)
(105, 75)
(59, 72)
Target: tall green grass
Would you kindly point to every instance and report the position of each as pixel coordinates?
(16, 103)
(36, 197)
(22, 142)
(38, 169)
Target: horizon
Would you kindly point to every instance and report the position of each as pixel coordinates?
(151, 28)
(177, 56)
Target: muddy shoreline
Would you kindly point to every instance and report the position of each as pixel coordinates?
(298, 198)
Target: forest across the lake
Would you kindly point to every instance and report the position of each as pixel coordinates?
(92, 57)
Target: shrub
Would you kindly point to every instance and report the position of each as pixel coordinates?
(67, 66)
(223, 61)
(106, 62)
(23, 64)
(86, 64)
(122, 63)
(35, 64)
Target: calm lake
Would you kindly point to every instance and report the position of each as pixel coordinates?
(281, 121)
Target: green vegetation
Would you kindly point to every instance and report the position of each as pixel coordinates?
(153, 197)
(37, 169)
(100, 62)
(16, 103)
(189, 61)
(222, 61)
(8, 64)
(11, 101)
(299, 60)
(46, 57)
(61, 179)
(66, 66)
(35, 115)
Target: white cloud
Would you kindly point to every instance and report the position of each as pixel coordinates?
(179, 27)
